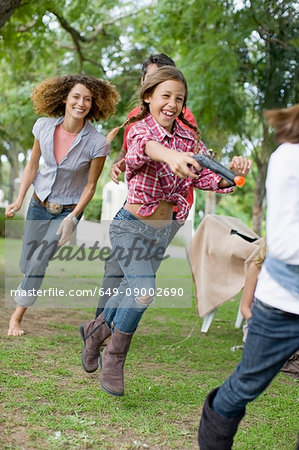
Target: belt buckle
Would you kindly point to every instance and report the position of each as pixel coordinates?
(54, 208)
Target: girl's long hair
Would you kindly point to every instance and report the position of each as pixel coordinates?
(285, 121)
(160, 75)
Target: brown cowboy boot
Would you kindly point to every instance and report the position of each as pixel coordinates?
(93, 333)
(112, 362)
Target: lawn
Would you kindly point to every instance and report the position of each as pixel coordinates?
(49, 402)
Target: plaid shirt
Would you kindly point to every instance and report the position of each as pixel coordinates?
(150, 182)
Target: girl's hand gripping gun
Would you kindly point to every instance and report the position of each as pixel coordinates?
(228, 175)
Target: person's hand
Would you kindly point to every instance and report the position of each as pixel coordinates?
(116, 169)
(246, 312)
(180, 163)
(11, 209)
(65, 230)
(240, 165)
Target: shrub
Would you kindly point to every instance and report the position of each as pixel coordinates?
(93, 209)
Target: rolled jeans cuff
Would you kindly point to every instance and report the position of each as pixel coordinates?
(22, 298)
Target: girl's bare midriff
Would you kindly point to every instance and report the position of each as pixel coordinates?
(161, 217)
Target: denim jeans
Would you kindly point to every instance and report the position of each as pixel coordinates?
(273, 336)
(139, 249)
(113, 273)
(40, 243)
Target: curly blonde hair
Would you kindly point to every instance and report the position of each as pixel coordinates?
(160, 75)
(49, 95)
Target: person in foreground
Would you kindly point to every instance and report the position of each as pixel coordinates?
(291, 367)
(273, 328)
(160, 169)
(73, 154)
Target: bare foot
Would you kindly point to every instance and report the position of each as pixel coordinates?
(14, 328)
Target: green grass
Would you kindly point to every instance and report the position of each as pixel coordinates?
(49, 402)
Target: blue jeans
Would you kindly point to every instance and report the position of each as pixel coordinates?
(40, 243)
(273, 336)
(113, 273)
(139, 249)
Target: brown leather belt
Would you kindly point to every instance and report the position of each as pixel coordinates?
(44, 203)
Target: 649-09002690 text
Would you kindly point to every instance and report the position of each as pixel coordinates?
(58, 292)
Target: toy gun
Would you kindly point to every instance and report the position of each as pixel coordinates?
(228, 175)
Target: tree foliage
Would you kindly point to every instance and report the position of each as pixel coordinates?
(49, 38)
(239, 58)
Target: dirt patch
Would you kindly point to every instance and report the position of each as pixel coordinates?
(41, 322)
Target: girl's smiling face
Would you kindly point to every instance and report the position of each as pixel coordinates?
(166, 102)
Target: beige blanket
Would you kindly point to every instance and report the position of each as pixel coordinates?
(219, 260)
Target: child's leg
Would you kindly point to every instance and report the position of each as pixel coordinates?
(272, 337)
(141, 249)
(113, 276)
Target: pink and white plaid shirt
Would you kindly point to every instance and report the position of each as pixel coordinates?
(150, 182)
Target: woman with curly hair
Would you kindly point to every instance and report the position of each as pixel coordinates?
(73, 154)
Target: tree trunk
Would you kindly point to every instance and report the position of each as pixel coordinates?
(257, 211)
(14, 170)
(260, 180)
(210, 203)
(7, 7)
(12, 177)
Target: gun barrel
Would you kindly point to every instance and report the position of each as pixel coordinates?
(218, 168)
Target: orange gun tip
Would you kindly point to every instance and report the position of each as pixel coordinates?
(240, 181)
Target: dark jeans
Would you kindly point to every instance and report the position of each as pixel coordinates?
(273, 336)
(113, 273)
